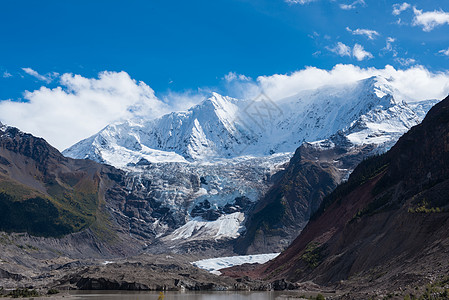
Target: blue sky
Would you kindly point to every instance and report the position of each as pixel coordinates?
(188, 44)
(185, 47)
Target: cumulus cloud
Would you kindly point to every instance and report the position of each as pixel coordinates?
(444, 52)
(341, 49)
(358, 52)
(46, 78)
(81, 106)
(6, 74)
(398, 8)
(370, 34)
(430, 19)
(414, 84)
(353, 5)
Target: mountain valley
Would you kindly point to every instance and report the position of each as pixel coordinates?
(157, 195)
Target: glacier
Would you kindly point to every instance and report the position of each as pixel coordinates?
(202, 170)
(213, 265)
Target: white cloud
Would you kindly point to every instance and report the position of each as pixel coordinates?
(234, 76)
(341, 49)
(353, 5)
(47, 77)
(359, 53)
(399, 8)
(444, 52)
(314, 35)
(430, 19)
(81, 106)
(299, 1)
(389, 44)
(405, 61)
(415, 83)
(182, 101)
(370, 34)
(6, 74)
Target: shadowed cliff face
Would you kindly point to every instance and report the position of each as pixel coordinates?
(388, 223)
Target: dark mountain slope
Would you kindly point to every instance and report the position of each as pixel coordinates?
(43, 193)
(313, 172)
(388, 225)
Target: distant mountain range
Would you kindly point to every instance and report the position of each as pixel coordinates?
(208, 182)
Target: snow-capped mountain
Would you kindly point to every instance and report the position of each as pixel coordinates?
(201, 170)
(224, 127)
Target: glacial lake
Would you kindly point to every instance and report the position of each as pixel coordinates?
(188, 295)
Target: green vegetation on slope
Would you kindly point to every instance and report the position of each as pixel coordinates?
(65, 209)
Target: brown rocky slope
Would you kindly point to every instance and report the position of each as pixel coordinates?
(313, 172)
(52, 206)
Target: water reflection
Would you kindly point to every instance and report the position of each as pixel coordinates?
(116, 295)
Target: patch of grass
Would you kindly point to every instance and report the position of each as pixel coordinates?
(374, 206)
(424, 208)
(52, 292)
(5, 239)
(312, 255)
(23, 293)
(65, 209)
(102, 227)
(27, 247)
(436, 291)
(319, 297)
(37, 216)
(17, 190)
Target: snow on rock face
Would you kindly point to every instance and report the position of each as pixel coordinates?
(226, 226)
(213, 265)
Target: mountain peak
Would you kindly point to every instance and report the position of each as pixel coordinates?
(382, 87)
(225, 127)
(216, 102)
